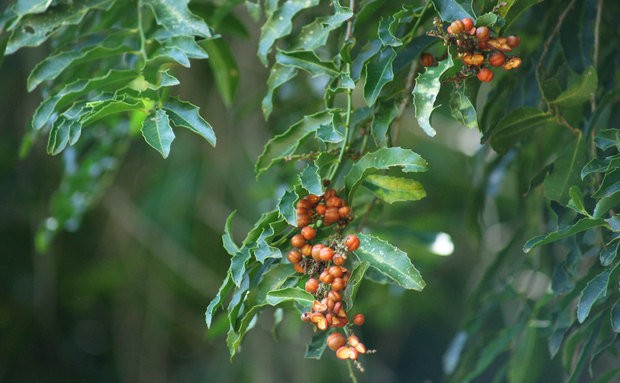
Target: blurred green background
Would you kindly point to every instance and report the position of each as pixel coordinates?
(122, 298)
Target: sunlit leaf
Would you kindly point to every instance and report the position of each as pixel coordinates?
(462, 109)
(394, 189)
(315, 34)
(157, 132)
(290, 294)
(227, 238)
(177, 19)
(308, 61)
(311, 180)
(185, 114)
(427, 86)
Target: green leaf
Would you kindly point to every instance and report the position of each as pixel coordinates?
(615, 317)
(279, 24)
(451, 10)
(217, 301)
(488, 19)
(607, 138)
(185, 114)
(517, 125)
(594, 290)
(357, 276)
(96, 110)
(224, 67)
(380, 159)
(290, 294)
(606, 203)
(329, 134)
(278, 75)
(394, 189)
(381, 122)
(286, 207)
(308, 61)
(515, 9)
(317, 345)
(608, 254)
(157, 132)
(579, 91)
(360, 61)
(286, 143)
(603, 165)
(315, 34)
(177, 19)
(387, 28)
(462, 109)
(581, 225)
(389, 261)
(311, 180)
(427, 86)
(566, 171)
(26, 7)
(607, 376)
(576, 200)
(378, 72)
(227, 239)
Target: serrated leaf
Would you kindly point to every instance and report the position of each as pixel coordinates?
(329, 134)
(95, 111)
(608, 254)
(278, 75)
(581, 225)
(158, 133)
(602, 165)
(224, 67)
(386, 31)
(380, 125)
(217, 301)
(579, 91)
(427, 86)
(279, 24)
(378, 72)
(357, 276)
(451, 10)
(462, 109)
(286, 206)
(59, 135)
(315, 34)
(178, 48)
(185, 114)
(227, 239)
(308, 61)
(383, 158)
(26, 7)
(177, 19)
(389, 261)
(286, 143)
(290, 294)
(360, 61)
(594, 290)
(318, 343)
(517, 125)
(311, 180)
(488, 19)
(566, 171)
(394, 189)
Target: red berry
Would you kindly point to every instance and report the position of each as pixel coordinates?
(359, 319)
(483, 33)
(467, 23)
(312, 285)
(497, 59)
(320, 209)
(308, 232)
(513, 41)
(485, 75)
(352, 242)
(427, 59)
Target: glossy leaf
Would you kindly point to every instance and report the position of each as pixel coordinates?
(517, 7)
(594, 290)
(427, 86)
(279, 24)
(451, 10)
(383, 158)
(607, 138)
(394, 189)
(576, 200)
(227, 238)
(217, 301)
(386, 32)
(608, 254)
(516, 126)
(488, 19)
(360, 61)
(185, 114)
(286, 143)
(290, 294)
(606, 203)
(378, 72)
(278, 75)
(26, 7)
(157, 132)
(602, 165)
(224, 67)
(462, 109)
(308, 61)
(177, 19)
(389, 261)
(286, 206)
(579, 91)
(581, 225)
(315, 34)
(311, 180)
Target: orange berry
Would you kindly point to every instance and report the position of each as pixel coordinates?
(326, 277)
(313, 199)
(333, 202)
(299, 268)
(338, 284)
(294, 256)
(303, 220)
(352, 242)
(457, 27)
(308, 232)
(316, 251)
(514, 62)
(483, 33)
(312, 285)
(485, 75)
(298, 241)
(306, 250)
(359, 319)
(497, 59)
(334, 296)
(345, 353)
(320, 209)
(467, 23)
(336, 340)
(326, 254)
(513, 41)
(338, 259)
(329, 193)
(335, 271)
(344, 212)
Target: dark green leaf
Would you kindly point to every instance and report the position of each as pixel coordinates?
(308, 61)
(594, 290)
(462, 109)
(185, 114)
(224, 67)
(383, 158)
(286, 206)
(515, 9)
(566, 171)
(157, 132)
(217, 301)
(386, 32)
(357, 275)
(314, 35)
(394, 189)
(608, 376)
(579, 91)
(607, 138)
(360, 61)
(227, 238)
(425, 93)
(581, 225)
(451, 10)
(329, 134)
(488, 19)
(278, 75)
(603, 165)
(615, 317)
(314, 349)
(609, 253)
(290, 294)
(576, 200)
(389, 261)
(311, 180)
(381, 122)
(177, 19)
(605, 204)
(279, 24)
(378, 72)
(516, 126)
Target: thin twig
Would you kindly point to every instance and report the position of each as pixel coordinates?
(597, 29)
(349, 33)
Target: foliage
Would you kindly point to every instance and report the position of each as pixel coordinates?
(550, 148)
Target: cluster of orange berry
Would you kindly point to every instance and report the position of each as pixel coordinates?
(475, 47)
(322, 262)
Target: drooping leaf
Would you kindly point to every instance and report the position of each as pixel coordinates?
(389, 261)
(279, 24)
(185, 114)
(451, 10)
(394, 189)
(286, 143)
(290, 294)
(580, 91)
(566, 171)
(581, 225)
(594, 290)
(308, 61)
(311, 180)
(177, 19)
(427, 86)
(516, 126)
(378, 72)
(227, 239)
(217, 301)
(157, 132)
(224, 67)
(278, 75)
(383, 158)
(607, 138)
(462, 109)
